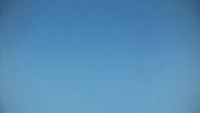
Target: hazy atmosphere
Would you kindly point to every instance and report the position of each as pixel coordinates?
(99, 56)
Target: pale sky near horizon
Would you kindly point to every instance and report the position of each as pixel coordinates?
(99, 56)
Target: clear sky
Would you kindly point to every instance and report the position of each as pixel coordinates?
(99, 56)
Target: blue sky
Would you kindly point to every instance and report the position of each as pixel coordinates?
(90, 56)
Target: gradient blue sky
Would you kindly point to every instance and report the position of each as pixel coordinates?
(99, 56)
